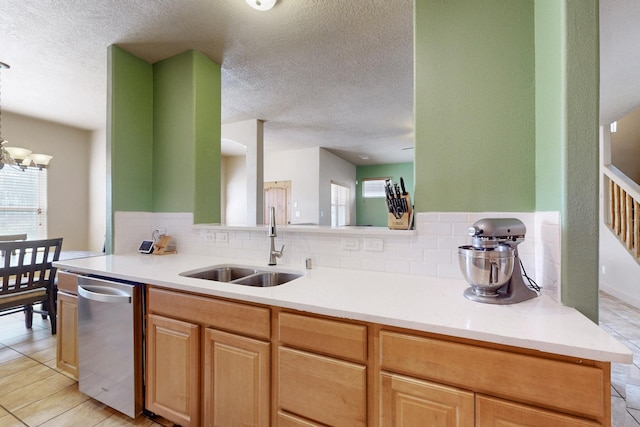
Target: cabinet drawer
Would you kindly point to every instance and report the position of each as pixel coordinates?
(328, 391)
(230, 316)
(68, 282)
(492, 412)
(335, 338)
(577, 388)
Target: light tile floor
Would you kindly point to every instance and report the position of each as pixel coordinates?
(622, 321)
(34, 393)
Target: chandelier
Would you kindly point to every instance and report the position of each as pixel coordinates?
(20, 158)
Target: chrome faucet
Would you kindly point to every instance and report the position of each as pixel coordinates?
(273, 254)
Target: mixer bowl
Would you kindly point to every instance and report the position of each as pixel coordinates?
(486, 269)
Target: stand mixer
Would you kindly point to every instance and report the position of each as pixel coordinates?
(491, 263)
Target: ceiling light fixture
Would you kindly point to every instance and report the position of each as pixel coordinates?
(261, 4)
(18, 157)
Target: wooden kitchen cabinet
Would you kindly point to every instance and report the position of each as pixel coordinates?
(67, 323)
(237, 380)
(235, 370)
(410, 402)
(321, 371)
(173, 370)
(528, 389)
(496, 412)
(212, 361)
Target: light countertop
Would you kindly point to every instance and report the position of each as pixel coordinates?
(416, 302)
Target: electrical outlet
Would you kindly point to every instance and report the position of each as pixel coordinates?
(374, 245)
(350, 244)
(210, 236)
(222, 237)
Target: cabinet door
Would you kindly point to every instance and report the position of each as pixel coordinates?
(67, 336)
(496, 412)
(236, 380)
(173, 370)
(323, 389)
(410, 402)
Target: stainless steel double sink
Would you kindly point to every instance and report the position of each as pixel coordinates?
(243, 275)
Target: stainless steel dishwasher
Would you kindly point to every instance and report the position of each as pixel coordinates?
(110, 343)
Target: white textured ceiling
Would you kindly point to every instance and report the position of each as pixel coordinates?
(330, 73)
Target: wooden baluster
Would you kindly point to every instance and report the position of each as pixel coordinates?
(612, 189)
(616, 207)
(629, 221)
(623, 216)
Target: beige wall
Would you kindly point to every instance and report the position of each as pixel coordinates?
(625, 145)
(73, 172)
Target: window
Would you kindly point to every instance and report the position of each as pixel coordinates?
(23, 202)
(373, 188)
(339, 204)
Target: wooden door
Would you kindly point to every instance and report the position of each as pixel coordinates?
(67, 334)
(278, 195)
(173, 370)
(236, 380)
(496, 412)
(408, 402)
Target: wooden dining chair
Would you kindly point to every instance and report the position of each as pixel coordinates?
(12, 237)
(27, 276)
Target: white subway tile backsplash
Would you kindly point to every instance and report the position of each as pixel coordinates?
(431, 251)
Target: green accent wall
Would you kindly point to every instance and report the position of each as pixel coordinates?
(374, 211)
(163, 136)
(187, 136)
(550, 111)
(489, 139)
(567, 148)
(580, 211)
(474, 105)
(129, 136)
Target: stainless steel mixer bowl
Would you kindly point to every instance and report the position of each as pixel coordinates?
(486, 270)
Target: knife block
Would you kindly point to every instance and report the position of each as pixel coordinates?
(405, 221)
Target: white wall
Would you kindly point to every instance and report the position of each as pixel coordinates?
(69, 177)
(235, 198)
(335, 169)
(97, 191)
(250, 134)
(301, 167)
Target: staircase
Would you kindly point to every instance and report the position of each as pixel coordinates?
(624, 209)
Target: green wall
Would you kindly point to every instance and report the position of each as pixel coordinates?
(374, 211)
(567, 113)
(129, 136)
(474, 105)
(163, 141)
(580, 212)
(186, 127)
(550, 114)
(506, 124)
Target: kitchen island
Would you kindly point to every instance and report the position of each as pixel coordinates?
(369, 340)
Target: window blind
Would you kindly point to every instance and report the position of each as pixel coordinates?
(23, 202)
(339, 205)
(373, 188)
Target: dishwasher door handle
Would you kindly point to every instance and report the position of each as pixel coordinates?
(104, 294)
